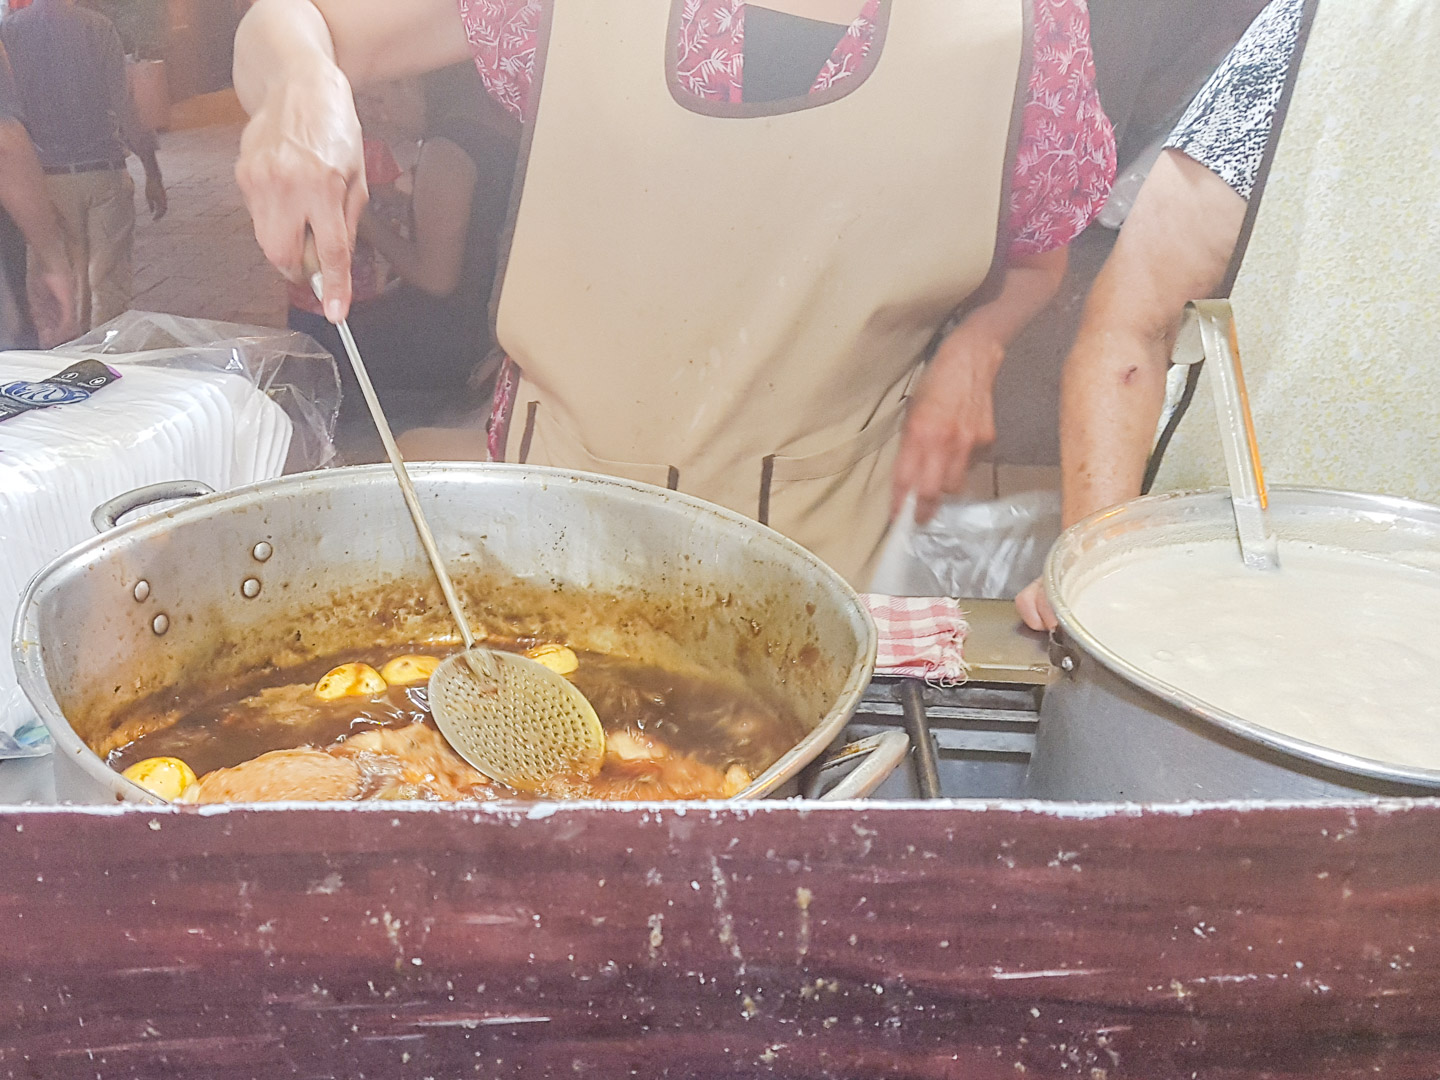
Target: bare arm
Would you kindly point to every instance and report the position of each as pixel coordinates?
(1175, 247)
(137, 135)
(953, 411)
(301, 161)
(444, 190)
(25, 199)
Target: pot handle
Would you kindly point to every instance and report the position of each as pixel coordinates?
(108, 514)
(881, 754)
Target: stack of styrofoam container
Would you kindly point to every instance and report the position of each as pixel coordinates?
(57, 465)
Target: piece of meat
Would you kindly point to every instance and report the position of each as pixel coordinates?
(281, 775)
(135, 728)
(413, 762)
(640, 768)
(287, 706)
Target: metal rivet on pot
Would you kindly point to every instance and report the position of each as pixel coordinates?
(142, 591)
(161, 623)
(1067, 663)
(250, 588)
(262, 551)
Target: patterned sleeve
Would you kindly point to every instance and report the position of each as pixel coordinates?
(1066, 162)
(1227, 126)
(502, 37)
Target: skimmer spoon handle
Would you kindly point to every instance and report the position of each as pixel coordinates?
(1248, 493)
(513, 719)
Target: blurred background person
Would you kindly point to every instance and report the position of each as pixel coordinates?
(426, 336)
(69, 69)
(48, 318)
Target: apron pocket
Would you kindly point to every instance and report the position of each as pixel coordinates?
(549, 443)
(798, 480)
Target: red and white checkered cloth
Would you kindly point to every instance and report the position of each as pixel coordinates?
(921, 637)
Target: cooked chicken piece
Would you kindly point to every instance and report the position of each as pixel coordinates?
(278, 705)
(426, 762)
(641, 768)
(737, 779)
(304, 774)
(630, 746)
(135, 728)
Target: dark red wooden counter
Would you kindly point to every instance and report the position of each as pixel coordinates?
(900, 941)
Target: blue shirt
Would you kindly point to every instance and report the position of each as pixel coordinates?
(70, 70)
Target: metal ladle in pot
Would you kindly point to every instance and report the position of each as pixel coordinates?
(1249, 496)
(512, 718)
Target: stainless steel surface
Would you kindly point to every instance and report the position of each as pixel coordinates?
(878, 757)
(917, 726)
(1001, 649)
(983, 734)
(1108, 731)
(107, 515)
(516, 721)
(733, 594)
(1216, 322)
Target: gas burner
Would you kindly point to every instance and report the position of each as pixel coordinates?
(971, 741)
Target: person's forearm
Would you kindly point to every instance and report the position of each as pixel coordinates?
(1174, 248)
(1113, 394)
(151, 163)
(1029, 282)
(24, 196)
(278, 42)
(282, 42)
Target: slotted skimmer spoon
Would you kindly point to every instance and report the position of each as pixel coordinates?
(512, 718)
(1248, 494)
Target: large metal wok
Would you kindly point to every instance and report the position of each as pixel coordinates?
(312, 565)
(1109, 732)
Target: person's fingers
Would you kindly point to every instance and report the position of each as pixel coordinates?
(1034, 607)
(929, 483)
(332, 246)
(957, 467)
(278, 230)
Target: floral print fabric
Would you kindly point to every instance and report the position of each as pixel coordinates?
(1066, 160)
(1063, 170)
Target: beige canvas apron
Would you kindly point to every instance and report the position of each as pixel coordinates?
(732, 303)
(1336, 302)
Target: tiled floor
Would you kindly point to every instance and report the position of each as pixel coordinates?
(201, 259)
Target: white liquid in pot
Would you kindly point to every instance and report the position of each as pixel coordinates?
(1337, 649)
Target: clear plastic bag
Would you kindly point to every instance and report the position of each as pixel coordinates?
(972, 550)
(215, 402)
(291, 369)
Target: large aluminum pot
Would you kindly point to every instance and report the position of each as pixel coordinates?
(310, 566)
(1109, 732)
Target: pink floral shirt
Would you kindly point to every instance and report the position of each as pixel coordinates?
(1066, 160)
(1063, 171)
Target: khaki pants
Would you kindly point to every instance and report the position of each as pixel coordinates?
(97, 216)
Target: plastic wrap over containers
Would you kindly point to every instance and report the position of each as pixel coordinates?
(223, 404)
(971, 550)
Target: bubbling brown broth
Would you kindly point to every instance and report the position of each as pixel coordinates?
(669, 735)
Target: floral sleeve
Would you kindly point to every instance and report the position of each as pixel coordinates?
(1066, 162)
(502, 36)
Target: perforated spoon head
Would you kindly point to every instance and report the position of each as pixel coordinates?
(515, 720)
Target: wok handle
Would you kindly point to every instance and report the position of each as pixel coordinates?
(108, 514)
(882, 754)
